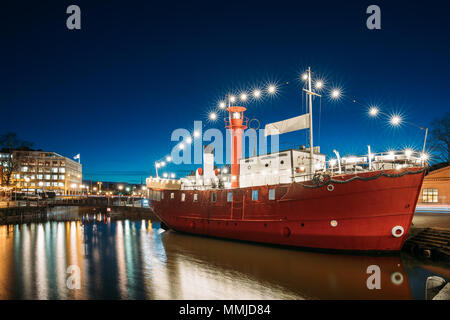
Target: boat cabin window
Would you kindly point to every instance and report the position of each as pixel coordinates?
(172, 195)
(254, 195)
(183, 197)
(271, 194)
(229, 196)
(213, 197)
(195, 197)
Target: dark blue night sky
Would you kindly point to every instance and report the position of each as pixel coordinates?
(114, 90)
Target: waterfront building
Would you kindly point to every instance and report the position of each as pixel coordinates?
(436, 188)
(42, 171)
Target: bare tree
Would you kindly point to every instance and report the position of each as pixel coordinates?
(440, 138)
(15, 149)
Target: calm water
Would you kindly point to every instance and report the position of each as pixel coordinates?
(135, 260)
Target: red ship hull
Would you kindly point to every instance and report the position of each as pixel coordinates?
(360, 214)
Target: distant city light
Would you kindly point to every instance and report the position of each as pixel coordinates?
(212, 116)
(162, 163)
(120, 187)
(243, 97)
(335, 93)
(172, 175)
(165, 175)
(373, 111)
(271, 89)
(168, 158)
(395, 120)
(257, 93)
(127, 189)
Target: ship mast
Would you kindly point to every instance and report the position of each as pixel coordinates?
(311, 145)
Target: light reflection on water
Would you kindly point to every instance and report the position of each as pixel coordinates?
(134, 260)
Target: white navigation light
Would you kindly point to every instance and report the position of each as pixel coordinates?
(257, 93)
(243, 97)
(395, 120)
(212, 116)
(271, 89)
(335, 93)
(222, 105)
(373, 111)
(168, 158)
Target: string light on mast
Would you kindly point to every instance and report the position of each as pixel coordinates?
(271, 89)
(374, 111)
(212, 116)
(257, 93)
(395, 120)
(335, 94)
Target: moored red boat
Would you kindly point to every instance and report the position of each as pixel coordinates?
(295, 197)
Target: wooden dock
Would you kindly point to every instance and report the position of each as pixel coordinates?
(429, 243)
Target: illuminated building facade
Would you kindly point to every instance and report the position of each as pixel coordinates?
(41, 171)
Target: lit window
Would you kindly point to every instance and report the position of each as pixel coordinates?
(39, 176)
(229, 196)
(213, 197)
(24, 169)
(62, 170)
(55, 177)
(272, 194)
(61, 184)
(172, 195)
(62, 177)
(47, 177)
(430, 195)
(254, 195)
(195, 197)
(183, 197)
(55, 170)
(54, 184)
